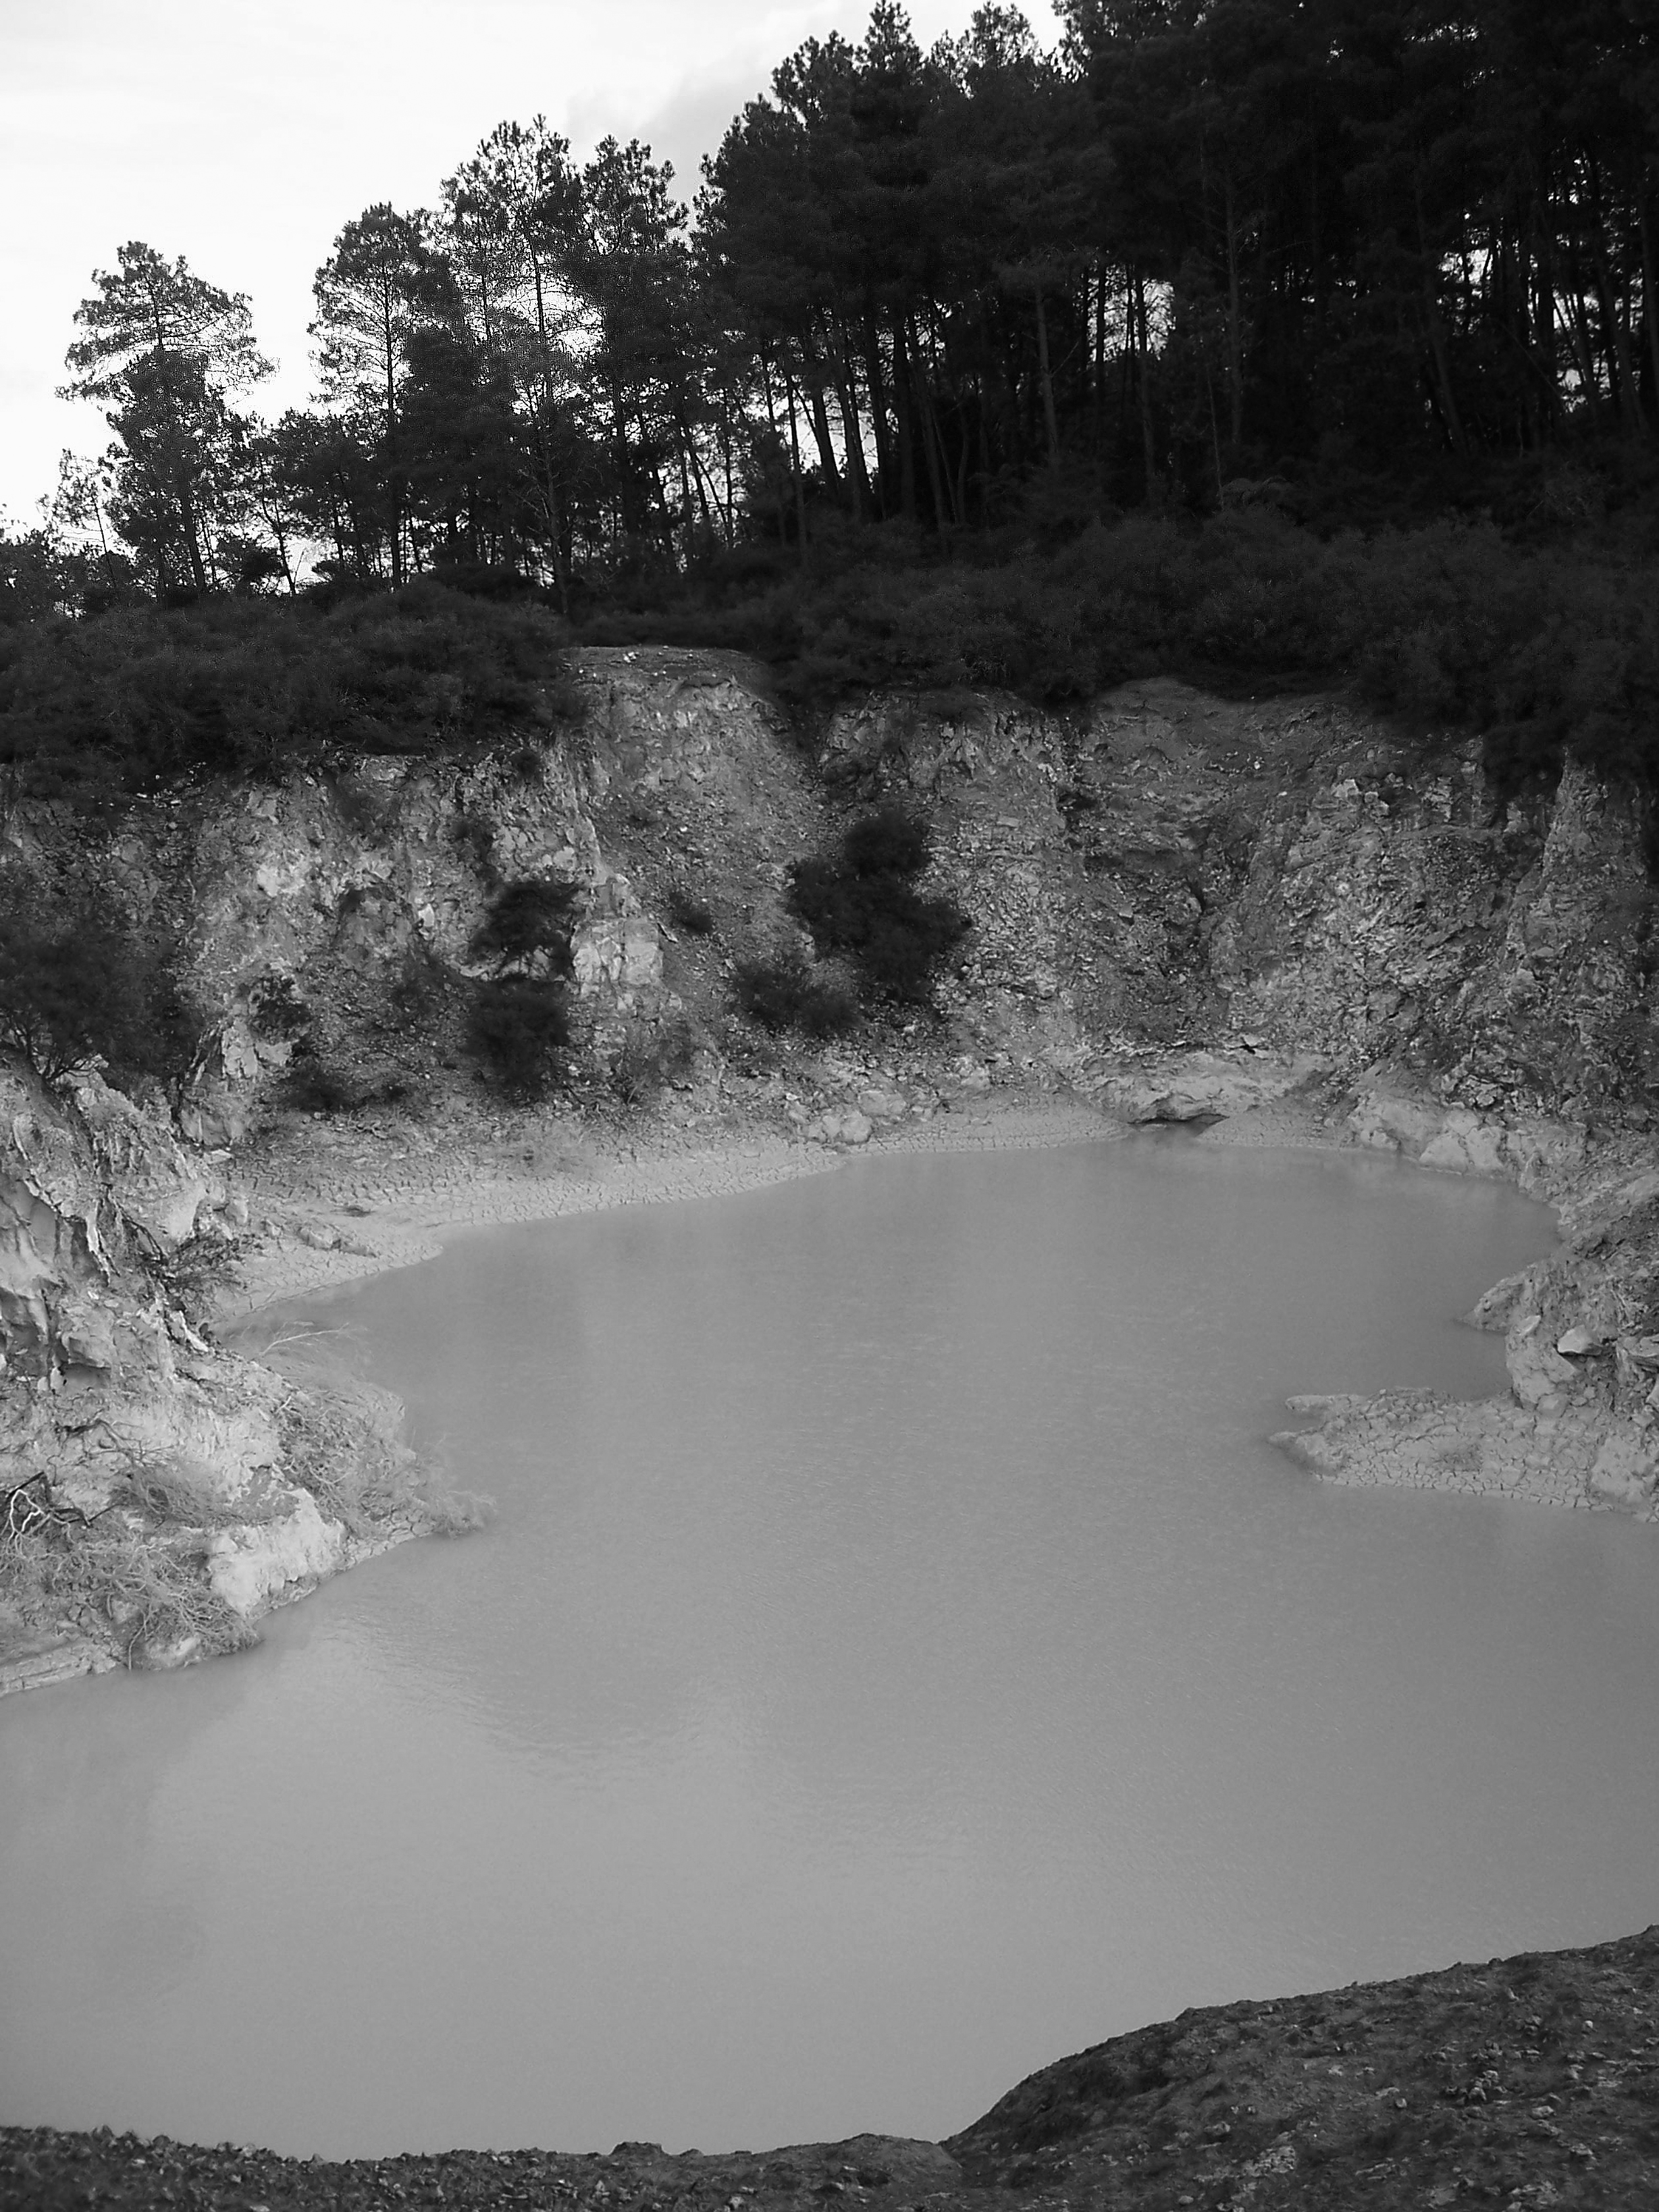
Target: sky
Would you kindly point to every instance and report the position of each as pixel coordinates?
(243, 134)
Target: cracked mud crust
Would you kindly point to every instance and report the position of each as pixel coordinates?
(363, 1204)
(1528, 2082)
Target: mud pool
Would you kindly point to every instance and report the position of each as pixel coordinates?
(899, 1660)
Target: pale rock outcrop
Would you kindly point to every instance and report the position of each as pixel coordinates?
(1536, 1150)
(172, 1476)
(1200, 1086)
(877, 1104)
(845, 1125)
(249, 1566)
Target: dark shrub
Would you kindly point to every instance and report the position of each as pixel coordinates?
(784, 993)
(476, 834)
(864, 905)
(889, 842)
(275, 1010)
(520, 1026)
(312, 1086)
(251, 686)
(533, 915)
(423, 985)
(651, 1058)
(363, 807)
(75, 984)
(687, 912)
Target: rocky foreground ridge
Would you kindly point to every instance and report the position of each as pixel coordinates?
(1526, 2081)
(1281, 917)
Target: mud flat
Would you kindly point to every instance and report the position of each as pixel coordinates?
(335, 1219)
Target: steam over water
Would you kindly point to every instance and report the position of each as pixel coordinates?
(899, 1661)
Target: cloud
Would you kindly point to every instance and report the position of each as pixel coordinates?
(243, 137)
(689, 125)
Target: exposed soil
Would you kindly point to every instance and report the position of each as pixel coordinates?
(1531, 2080)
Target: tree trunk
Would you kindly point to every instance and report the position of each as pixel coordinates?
(1447, 400)
(192, 541)
(1579, 327)
(544, 419)
(1614, 343)
(794, 455)
(1051, 427)
(1235, 332)
(878, 418)
(771, 417)
(389, 345)
(1143, 350)
(932, 445)
(904, 414)
(1650, 305)
(852, 435)
(812, 384)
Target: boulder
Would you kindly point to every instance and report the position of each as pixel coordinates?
(86, 1335)
(1537, 1371)
(1626, 1472)
(622, 951)
(842, 1126)
(251, 1565)
(882, 1105)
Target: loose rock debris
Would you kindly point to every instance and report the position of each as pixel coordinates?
(1529, 2081)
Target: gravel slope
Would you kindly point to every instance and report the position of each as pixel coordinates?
(1530, 2081)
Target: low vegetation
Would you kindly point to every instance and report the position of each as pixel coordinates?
(101, 708)
(76, 983)
(865, 915)
(1540, 639)
(688, 913)
(1543, 637)
(529, 919)
(653, 1056)
(786, 993)
(143, 1588)
(863, 904)
(519, 1028)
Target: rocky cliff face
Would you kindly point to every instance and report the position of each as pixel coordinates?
(157, 1493)
(1183, 907)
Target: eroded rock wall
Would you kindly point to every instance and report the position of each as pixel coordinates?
(1169, 868)
(157, 1493)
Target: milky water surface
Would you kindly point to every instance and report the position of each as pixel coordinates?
(899, 1660)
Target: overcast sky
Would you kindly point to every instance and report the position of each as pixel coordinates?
(244, 133)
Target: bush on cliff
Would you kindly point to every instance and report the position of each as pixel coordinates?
(865, 905)
(1544, 641)
(75, 984)
(785, 993)
(1540, 643)
(103, 707)
(529, 919)
(519, 1028)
